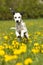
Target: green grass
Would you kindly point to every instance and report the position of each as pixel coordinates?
(33, 26)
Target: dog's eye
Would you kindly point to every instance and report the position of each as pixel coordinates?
(15, 17)
(18, 17)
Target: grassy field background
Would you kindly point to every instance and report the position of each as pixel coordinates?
(33, 49)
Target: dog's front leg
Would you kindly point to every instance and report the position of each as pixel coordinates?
(18, 36)
(22, 33)
(26, 35)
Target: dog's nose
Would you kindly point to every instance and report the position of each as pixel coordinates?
(17, 21)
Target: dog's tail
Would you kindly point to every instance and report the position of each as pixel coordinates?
(13, 28)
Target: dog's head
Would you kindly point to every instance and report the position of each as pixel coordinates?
(17, 16)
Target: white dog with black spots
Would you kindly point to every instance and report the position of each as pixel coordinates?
(20, 27)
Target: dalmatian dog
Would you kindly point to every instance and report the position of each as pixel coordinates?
(20, 27)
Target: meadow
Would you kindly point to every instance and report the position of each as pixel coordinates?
(25, 52)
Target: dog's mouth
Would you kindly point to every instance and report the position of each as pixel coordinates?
(17, 22)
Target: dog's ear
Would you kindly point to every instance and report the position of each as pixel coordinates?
(12, 11)
(22, 13)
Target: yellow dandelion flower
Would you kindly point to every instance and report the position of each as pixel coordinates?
(36, 44)
(17, 51)
(6, 46)
(10, 57)
(37, 47)
(10, 47)
(2, 52)
(23, 47)
(6, 37)
(1, 47)
(15, 44)
(41, 45)
(38, 33)
(30, 40)
(28, 61)
(41, 51)
(35, 50)
(19, 63)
